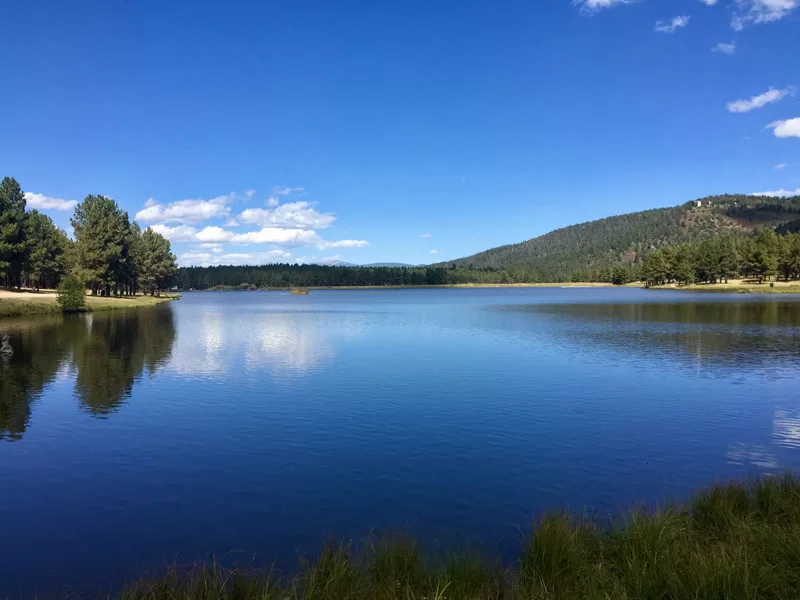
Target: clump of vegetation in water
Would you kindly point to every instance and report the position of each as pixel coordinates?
(71, 294)
(740, 540)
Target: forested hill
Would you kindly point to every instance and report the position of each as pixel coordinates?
(579, 251)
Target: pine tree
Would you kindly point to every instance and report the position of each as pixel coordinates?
(102, 234)
(46, 244)
(12, 232)
(157, 263)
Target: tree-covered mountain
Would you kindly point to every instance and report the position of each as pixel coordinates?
(579, 252)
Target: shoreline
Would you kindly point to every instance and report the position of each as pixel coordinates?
(732, 287)
(729, 540)
(26, 303)
(413, 287)
(736, 286)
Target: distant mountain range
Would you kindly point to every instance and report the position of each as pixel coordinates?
(581, 248)
(341, 263)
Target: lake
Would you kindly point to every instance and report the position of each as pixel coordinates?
(255, 424)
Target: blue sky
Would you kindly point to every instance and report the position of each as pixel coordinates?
(408, 130)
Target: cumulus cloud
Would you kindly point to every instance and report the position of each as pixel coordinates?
(725, 48)
(424, 235)
(787, 128)
(273, 201)
(433, 252)
(249, 194)
(709, 2)
(673, 25)
(185, 211)
(592, 6)
(205, 259)
(781, 166)
(277, 235)
(281, 236)
(779, 193)
(285, 191)
(179, 233)
(761, 11)
(292, 214)
(769, 97)
(42, 202)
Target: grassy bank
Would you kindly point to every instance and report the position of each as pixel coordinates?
(740, 540)
(21, 304)
(739, 286)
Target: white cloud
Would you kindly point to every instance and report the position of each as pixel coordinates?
(180, 233)
(781, 166)
(273, 201)
(277, 235)
(322, 244)
(725, 48)
(761, 11)
(285, 191)
(592, 6)
(213, 234)
(293, 214)
(205, 259)
(787, 128)
(779, 193)
(424, 235)
(433, 252)
(770, 96)
(673, 25)
(42, 202)
(185, 211)
(249, 194)
(709, 2)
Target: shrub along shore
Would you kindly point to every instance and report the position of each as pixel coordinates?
(738, 540)
(21, 304)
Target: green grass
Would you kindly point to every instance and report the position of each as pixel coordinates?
(46, 304)
(739, 540)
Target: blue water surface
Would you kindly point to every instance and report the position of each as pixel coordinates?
(253, 425)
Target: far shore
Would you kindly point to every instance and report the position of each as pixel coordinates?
(415, 287)
(24, 303)
(738, 286)
(734, 286)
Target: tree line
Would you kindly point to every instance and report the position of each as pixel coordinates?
(279, 276)
(763, 256)
(110, 254)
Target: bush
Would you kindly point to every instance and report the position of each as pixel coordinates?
(72, 294)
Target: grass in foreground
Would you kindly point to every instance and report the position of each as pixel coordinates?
(740, 540)
(44, 303)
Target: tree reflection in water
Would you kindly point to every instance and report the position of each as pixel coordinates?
(108, 353)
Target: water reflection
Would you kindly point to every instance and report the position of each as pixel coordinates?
(714, 337)
(278, 342)
(786, 428)
(113, 352)
(746, 455)
(107, 352)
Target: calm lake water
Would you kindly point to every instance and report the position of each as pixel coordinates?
(256, 424)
